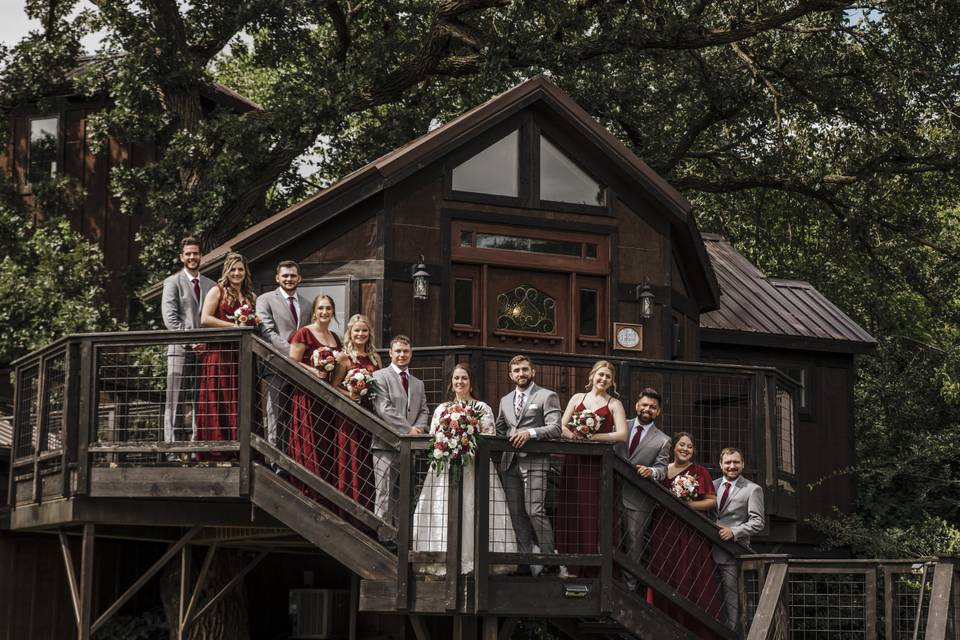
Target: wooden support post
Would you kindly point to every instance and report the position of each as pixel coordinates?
(489, 630)
(938, 616)
(605, 531)
(403, 525)
(71, 411)
(354, 605)
(197, 588)
(185, 567)
(71, 575)
(246, 406)
(464, 628)
(454, 513)
(237, 579)
(86, 419)
(39, 445)
(84, 630)
(481, 524)
(506, 629)
(419, 627)
(142, 580)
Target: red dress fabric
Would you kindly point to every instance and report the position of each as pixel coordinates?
(683, 559)
(217, 415)
(311, 438)
(578, 501)
(354, 469)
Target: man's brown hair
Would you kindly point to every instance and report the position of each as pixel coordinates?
(186, 242)
(288, 264)
(729, 451)
(400, 338)
(517, 359)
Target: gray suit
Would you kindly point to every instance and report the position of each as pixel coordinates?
(652, 451)
(401, 411)
(743, 514)
(525, 475)
(180, 311)
(277, 326)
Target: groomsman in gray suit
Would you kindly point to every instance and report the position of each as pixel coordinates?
(740, 515)
(281, 312)
(528, 412)
(648, 450)
(183, 295)
(402, 404)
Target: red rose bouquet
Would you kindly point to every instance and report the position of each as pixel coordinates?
(454, 437)
(585, 423)
(324, 361)
(360, 382)
(686, 487)
(245, 316)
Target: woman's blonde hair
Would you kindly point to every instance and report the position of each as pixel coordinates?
(600, 364)
(350, 348)
(246, 287)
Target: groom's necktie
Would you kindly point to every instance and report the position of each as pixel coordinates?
(403, 379)
(518, 405)
(726, 494)
(293, 311)
(635, 440)
(196, 288)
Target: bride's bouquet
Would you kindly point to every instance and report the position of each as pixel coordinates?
(585, 423)
(323, 360)
(686, 487)
(454, 439)
(360, 382)
(245, 316)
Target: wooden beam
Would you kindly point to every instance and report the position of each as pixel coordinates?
(938, 615)
(71, 575)
(84, 630)
(489, 629)
(464, 627)
(185, 567)
(195, 596)
(142, 580)
(237, 579)
(770, 601)
(419, 627)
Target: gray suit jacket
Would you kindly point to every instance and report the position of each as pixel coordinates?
(743, 512)
(653, 452)
(395, 407)
(179, 307)
(541, 412)
(276, 323)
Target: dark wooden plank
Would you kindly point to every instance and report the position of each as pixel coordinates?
(605, 531)
(87, 417)
(419, 626)
(404, 508)
(71, 574)
(234, 581)
(84, 631)
(769, 605)
(197, 590)
(644, 620)
(183, 599)
(246, 408)
(541, 597)
(71, 412)
(336, 537)
(228, 446)
(165, 482)
(454, 541)
(481, 553)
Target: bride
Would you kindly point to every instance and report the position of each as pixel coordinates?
(430, 516)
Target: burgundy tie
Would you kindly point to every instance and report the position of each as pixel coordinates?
(196, 288)
(293, 311)
(635, 440)
(726, 494)
(403, 379)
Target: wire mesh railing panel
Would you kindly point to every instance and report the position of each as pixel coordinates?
(27, 422)
(908, 590)
(171, 394)
(54, 380)
(430, 502)
(831, 606)
(330, 446)
(784, 424)
(751, 586)
(674, 560)
(429, 369)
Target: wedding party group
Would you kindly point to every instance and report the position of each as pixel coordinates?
(539, 503)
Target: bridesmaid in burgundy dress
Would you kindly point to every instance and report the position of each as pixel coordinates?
(311, 440)
(217, 417)
(678, 556)
(354, 470)
(579, 493)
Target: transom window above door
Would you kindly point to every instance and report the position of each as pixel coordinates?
(525, 166)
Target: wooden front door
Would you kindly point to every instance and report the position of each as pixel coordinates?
(529, 289)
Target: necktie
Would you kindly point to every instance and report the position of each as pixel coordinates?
(518, 405)
(635, 440)
(293, 311)
(403, 379)
(196, 288)
(726, 494)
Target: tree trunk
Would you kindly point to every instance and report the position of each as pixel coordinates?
(228, 619)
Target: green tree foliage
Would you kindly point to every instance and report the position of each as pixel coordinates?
(819, 135)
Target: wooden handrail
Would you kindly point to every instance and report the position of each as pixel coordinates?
(770, 607)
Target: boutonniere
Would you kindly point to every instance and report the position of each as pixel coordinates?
(532, 407)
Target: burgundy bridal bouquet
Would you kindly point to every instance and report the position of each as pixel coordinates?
(686, 487)
(585, 423)
(245, 316)
(454, 440)
(360, 382)
(323, 360)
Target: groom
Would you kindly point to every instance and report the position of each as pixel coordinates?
(183, 295)
(528, 412)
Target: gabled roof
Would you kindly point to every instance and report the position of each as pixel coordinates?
(404, 161)
(769, 311)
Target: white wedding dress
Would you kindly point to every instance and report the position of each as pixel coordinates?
(430, 516)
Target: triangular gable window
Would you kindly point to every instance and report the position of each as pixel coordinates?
(562, 180)
(494, 171)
